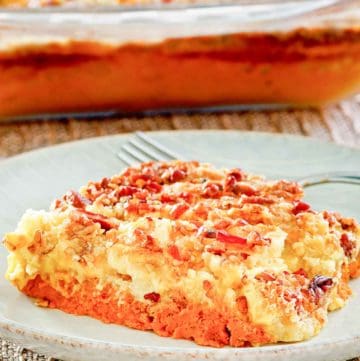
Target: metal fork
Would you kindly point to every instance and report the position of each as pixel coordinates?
(142, 148)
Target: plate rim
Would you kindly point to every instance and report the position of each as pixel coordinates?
(16, 327)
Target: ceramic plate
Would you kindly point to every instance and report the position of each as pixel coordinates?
(32, 180)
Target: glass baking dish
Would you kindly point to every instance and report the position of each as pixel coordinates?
(176, 56)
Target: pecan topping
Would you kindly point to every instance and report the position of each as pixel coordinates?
(176, 175)
(265, 276)
(76, 199)
(104, 182)
(347, 244)
(167, 198)
(186, 196)
(300, 207)
(215, 251)
(230, 183)
(234, 176)
(225, 237)
(258, 200)
(301, 272)
(319, 285)
(247, 189)
(178, 210)
(207, 285)
(330, 218)
(174, 252)
(212, 190)
(347, 224)
(287, 189)
(223, 224)
(153, 187)
(255, 239)
(105, 222)
(208, 233)
(124, 191)
(152, 296)
(237, 174)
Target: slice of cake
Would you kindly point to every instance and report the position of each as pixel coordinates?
(220, 257)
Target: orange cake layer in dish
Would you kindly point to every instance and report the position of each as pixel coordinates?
(218, 256)
(303, 67)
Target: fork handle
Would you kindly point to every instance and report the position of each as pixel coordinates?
(331, 177)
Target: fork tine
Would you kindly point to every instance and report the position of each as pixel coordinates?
(125, 159)
(134, 153)
(143, 148)
(156, 145)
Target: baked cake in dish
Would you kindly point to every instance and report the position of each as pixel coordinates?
(217, 256)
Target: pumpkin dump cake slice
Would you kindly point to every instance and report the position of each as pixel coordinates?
(220, 257)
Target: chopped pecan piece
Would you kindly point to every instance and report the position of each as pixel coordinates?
(265, 276)
(234, 176)
(76, 199)
(255, 239)
(347, 224)
(177, 175)
(300, 207)
(244, 188)
(104, 182)
(258, 200)
(237, 174)
(152, 296)
(208, 233)
(174, 252)
(105, 222)
(319, 285)
(222, 224)
(167, 198)
(301, 272)
(347, 244)
(226, 237)
(153, 187)
(124, 191)
(212, 190)
(178, 210)
(330, 217)
(186, 196)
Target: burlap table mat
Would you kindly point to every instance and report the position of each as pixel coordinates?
(339, 123)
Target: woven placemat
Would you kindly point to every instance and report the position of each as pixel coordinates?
(339, 123)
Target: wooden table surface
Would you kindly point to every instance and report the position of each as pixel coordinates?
(339, 123)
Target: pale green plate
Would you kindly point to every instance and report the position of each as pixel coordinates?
(34, 179)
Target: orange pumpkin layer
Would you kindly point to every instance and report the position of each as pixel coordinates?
(178, 318)
(307, 67)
